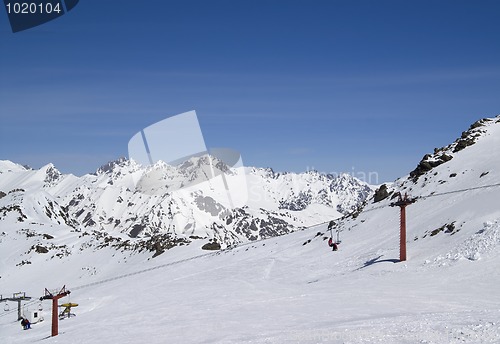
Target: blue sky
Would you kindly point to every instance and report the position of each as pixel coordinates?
(338, 86)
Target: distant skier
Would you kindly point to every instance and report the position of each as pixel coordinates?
(332, 244)
(25, 323)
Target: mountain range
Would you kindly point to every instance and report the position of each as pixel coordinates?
(132, 207)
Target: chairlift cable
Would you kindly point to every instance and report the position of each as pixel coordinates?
(245, 244)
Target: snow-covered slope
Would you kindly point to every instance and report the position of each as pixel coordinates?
(456, 197)
(293, 288)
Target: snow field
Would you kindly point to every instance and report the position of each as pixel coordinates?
(280, 291)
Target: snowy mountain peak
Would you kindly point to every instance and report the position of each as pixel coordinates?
(51, 174)
(112, 165)
(9, 166)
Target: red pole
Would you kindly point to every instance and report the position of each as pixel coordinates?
(402, 203)
(402, 235)
(55, 319)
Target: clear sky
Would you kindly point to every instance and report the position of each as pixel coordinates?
(338, 86)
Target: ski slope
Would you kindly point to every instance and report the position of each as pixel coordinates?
(293, 288)
(274, 291)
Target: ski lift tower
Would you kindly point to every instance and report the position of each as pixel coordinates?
(55, 297)
(17, 297)
(402, 203)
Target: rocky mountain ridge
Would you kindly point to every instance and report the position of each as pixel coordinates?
(112, 208)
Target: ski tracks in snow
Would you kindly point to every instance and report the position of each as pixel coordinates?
(269, 268)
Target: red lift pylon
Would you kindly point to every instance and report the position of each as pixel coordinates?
(50, 296)
(402, 203)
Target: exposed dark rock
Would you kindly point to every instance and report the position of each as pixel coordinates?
(106, 168)
(450, 228)
(463, 143)
(16, 190)
(445, 157)
(211, 246)
(296, 203)
(381, 193)
(136, 230)
(2, 194)
(41, 249)
(483, 174)
(273, 227)
(88, 221)
(209, 205)
(28, 232)
(75, 201)
(13, 208)
(425, 165)
(478, 124)
(24, 262)
(52, 175)
(446, 228)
